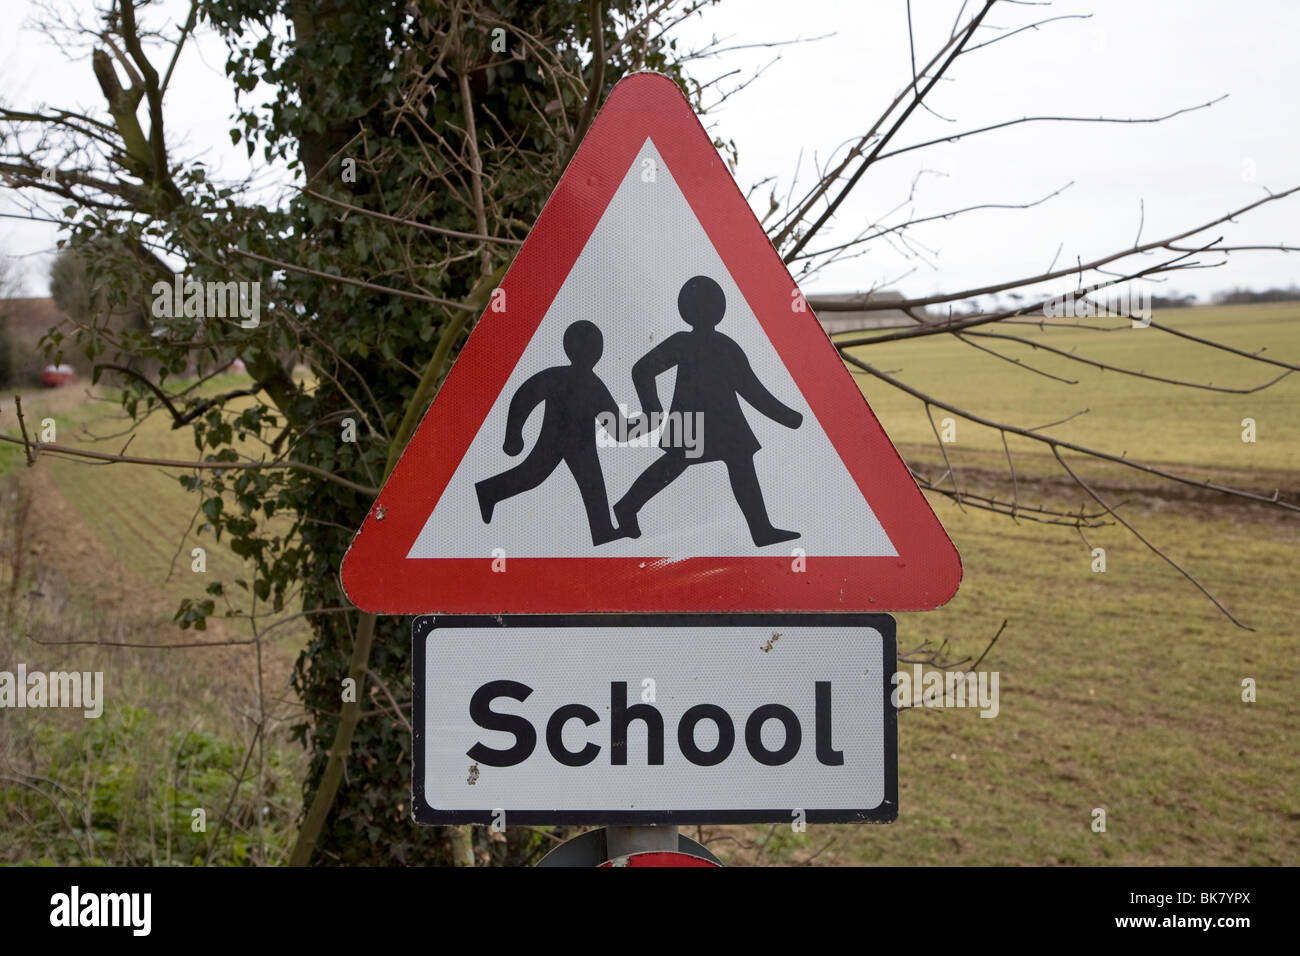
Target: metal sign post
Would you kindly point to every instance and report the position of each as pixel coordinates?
(594, 848)
(624, 841)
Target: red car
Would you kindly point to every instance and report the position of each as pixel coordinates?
(55, 375)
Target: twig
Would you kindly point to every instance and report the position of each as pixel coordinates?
(210, 465)
(212, 847)
(398, 220)
(597, 80)
(22, 425)
(54, 803)
(391, 699)
(280, 264)
(180, 419)
(1138, 534)
(1069, 446)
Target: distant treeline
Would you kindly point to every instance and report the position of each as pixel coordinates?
(1171, 300)
(1237, 296)
(1243, 296)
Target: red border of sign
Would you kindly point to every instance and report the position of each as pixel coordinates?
(376, 574)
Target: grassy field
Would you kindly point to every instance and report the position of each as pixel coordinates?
(102, 555)
(1119, 690)
(1149, 421)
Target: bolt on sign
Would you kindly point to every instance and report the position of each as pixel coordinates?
(654, 521)
(648, 417)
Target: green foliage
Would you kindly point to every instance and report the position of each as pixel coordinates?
(13, 456)
(121, 791)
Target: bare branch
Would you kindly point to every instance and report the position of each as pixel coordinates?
(180, 419)
(888, 135)
(1104, 366)
(1138, 534)
(1048, 440)
(1050, 119)
(406, 293)
(36, 448)
(865, 306)
(597, 80)
(427, 227)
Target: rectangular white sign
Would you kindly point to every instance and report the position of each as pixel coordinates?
(634, 719)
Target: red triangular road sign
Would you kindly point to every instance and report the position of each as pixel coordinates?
(648, 262)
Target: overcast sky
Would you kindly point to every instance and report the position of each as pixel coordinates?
(1131, 58)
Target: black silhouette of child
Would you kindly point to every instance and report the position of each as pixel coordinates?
(575, 397)
(712, 372)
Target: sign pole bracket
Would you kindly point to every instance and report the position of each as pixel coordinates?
(649, 838)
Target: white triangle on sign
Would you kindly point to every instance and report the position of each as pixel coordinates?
(626, 281)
